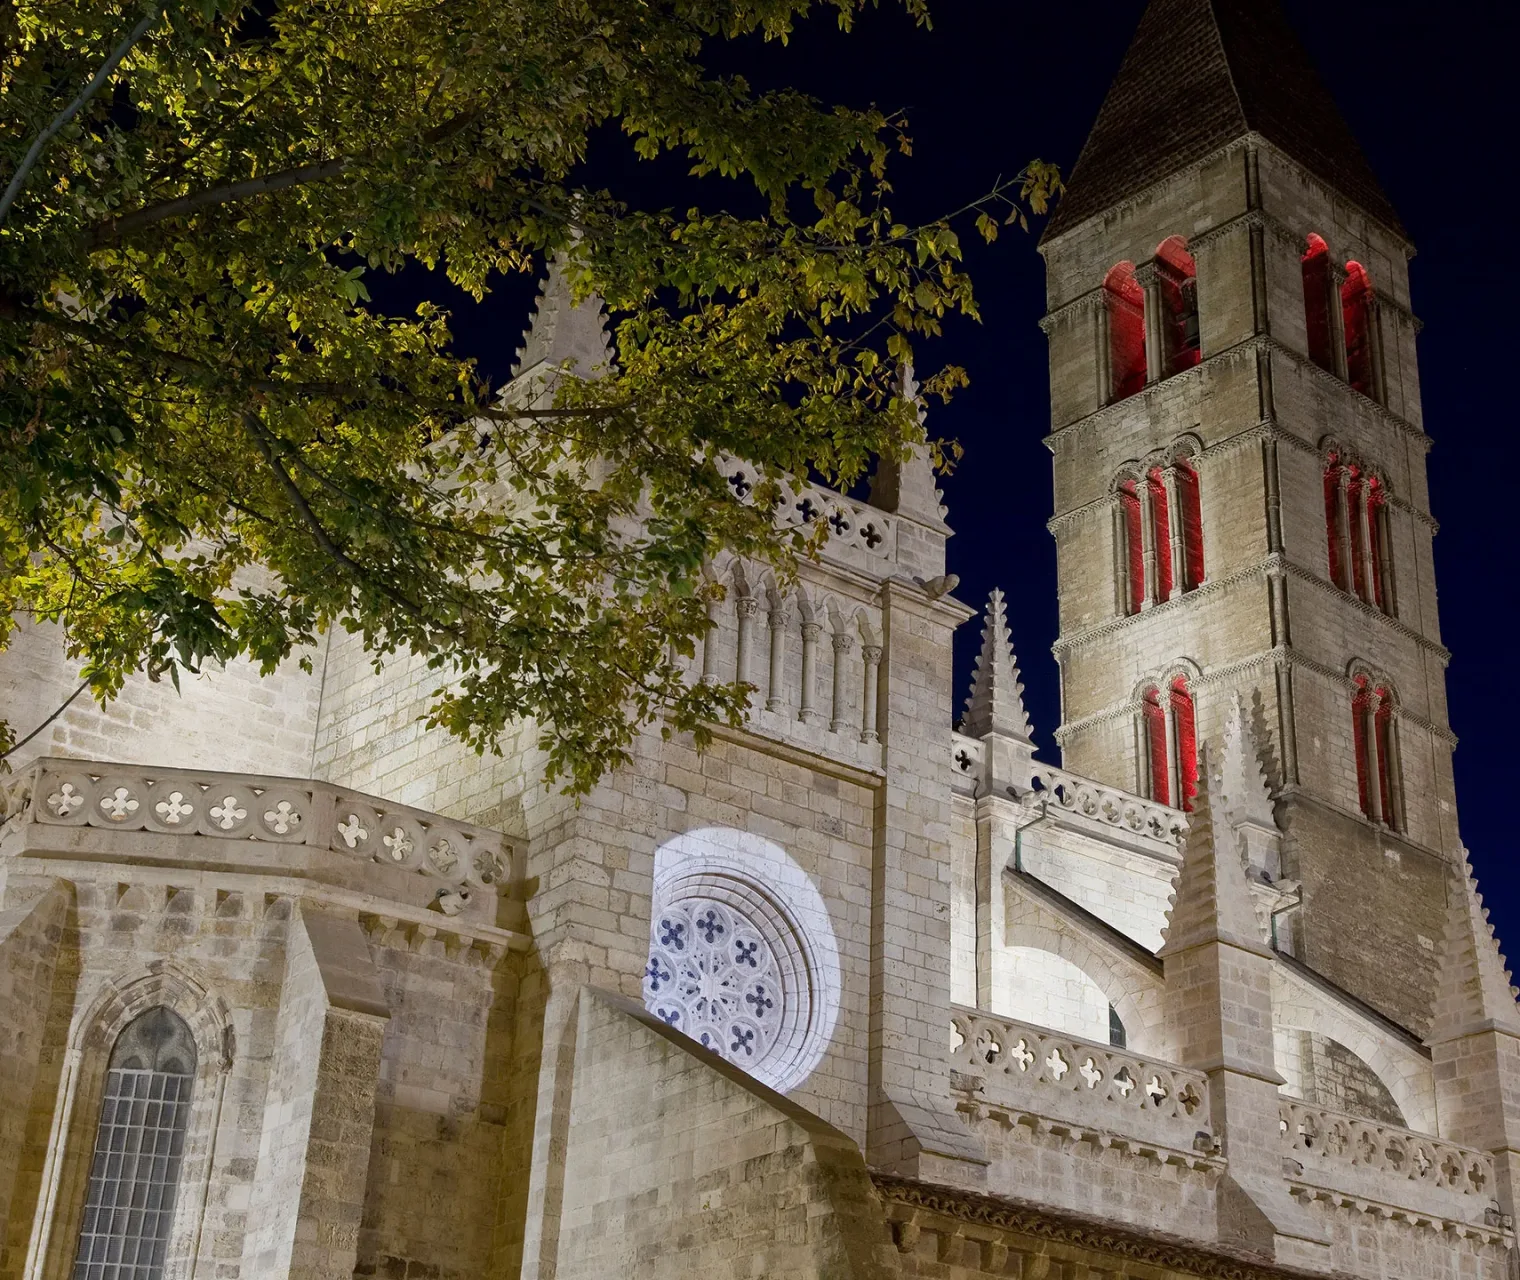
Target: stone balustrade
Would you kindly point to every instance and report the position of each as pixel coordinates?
(1056, 1077)
(1109, 806)
(856, 531)
(56, 793)
(1380, 1162)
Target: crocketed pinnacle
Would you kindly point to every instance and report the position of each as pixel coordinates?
(996, 704)
(1244, 793)
(1473, 991)
(562, 332)
(908, 487)
(1212, 900)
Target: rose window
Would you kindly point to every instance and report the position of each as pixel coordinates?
(712, 976)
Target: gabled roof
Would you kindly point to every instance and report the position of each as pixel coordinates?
(1199, 75)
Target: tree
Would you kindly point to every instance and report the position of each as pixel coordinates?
(217, 445)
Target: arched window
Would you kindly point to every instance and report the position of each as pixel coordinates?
(139, 1145)
(1374, 732)
(1357, 531)
(1317, 314)
(1169, 738)
(1159, 533)
(1125, 304)
(1177, 282)
(1357, 320)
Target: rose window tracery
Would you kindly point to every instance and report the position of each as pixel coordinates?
(714, 977)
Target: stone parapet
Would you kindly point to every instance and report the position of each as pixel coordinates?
(1061, 1078)
(250, 823)
(1105, 808)
(1383, 1163)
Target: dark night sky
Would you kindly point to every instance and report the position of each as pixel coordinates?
(994, 84)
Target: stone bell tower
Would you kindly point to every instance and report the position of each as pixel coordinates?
(1240, 489)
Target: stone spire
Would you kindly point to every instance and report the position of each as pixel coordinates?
(1212, 901)
(563, 332)
(908, 488)
(1473, 991)
(996, 704)
(1244, 793)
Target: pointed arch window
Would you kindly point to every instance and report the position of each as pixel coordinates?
(1177, 283)
(1124, 306)
(1169, 743)
(1374, 733)
(139, 1148)
(1317, 303)
(1158, 533)
(1358, 320)
(1357, 531)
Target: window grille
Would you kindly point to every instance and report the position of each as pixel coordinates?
(139, 1148)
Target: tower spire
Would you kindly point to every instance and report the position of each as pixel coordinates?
(996, 702)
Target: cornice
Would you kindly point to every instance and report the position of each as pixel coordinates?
(1255, 344)
(1263, 568)
(1157, 1249)
(1082, 302)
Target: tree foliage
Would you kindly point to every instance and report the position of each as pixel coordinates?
(217, 445)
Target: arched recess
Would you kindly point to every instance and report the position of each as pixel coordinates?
(1397, 1060)
(76, 1117)
(1318, 322)
(1127, 983)
(1177, 279)
(1125, 303)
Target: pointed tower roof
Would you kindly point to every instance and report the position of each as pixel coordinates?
(1198, 75)
(1244, 793)
(1212, 901)
(996, 704)
(1473, 990)
(562, 331)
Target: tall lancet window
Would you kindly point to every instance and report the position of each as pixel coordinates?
(1169, 743)
(139, 1146)
(1177, 280)
(1357, 531)
(1158, 532)
(1358, 319)
(1124, 307)
(1317, 315)
(1379, 782)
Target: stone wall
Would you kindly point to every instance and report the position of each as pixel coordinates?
(678, 1165)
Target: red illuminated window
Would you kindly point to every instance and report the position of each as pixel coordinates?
(1159, 534)
(1126, 330)
(1169, 732)
(1317, 315)
(1356, 313)
(1374, 736)
(1177, 282)
(1161, 531)
(1357, 531)
(1132, 524)
(1189, 499)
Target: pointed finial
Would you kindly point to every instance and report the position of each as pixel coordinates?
(1244, 793)
(563, 332)
(1212, 900)
(908, 487)
(996, 704)
(1473, 990)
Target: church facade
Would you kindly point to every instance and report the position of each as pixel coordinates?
(293, 987)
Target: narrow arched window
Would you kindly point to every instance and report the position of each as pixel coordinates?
(1125, 303)
(1357, 319)
(1153, 725)
(1169, 743)
(1186, 732)
(1132, 555)
(1190, 504)
(1317, 293)
(1161, 531)
(1374, 735)
(1357, 531)
(1177, 281)
(139, 1146)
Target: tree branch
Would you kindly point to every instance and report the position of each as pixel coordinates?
(67, 703)
(29, 161)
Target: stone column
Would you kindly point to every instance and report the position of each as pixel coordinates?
(806, 712)
(1173, 769)
(710, 645)
(1379, 386)
(872, 655)
(1364, 535)
(1343, 527)
(1174, 528)
(775, 697)
(1374, 764)
(747, 609)
(844, 644)
(1337, 277)
(1148, 591)
(1155, 347)
(1103, 350)
(1384, 531)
